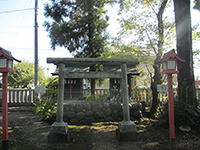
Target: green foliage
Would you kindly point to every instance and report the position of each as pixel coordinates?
(151, 30)
(46, 108)
(197, 4)
(52, 89)
(185, 114)
(78, 25)
(140, 93)
(137, 93)
(90, 97)
(142, 22)
(98, 97)
(24, 75)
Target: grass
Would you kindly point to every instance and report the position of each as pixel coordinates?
(28, 132)
(32, 134)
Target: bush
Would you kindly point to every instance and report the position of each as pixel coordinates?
(98, 97)
(185, 114)
(46, 108)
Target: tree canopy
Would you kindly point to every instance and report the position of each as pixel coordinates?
(78, 25)
(24, 75)
(148, 26)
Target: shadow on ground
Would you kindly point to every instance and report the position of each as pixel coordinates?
(28, 132)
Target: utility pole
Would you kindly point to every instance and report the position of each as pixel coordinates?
(36, 45)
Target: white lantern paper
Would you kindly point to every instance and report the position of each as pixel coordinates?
(171, 64)
(164, 66)
(3, 63)
(10, 63)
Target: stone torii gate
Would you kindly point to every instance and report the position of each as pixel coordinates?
(59, 129)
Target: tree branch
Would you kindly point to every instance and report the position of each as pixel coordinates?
(162, 7)
(150, 41)
(160, 30)
(148, 69)
(152, 7)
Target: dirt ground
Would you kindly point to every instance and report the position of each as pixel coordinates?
(28, 132)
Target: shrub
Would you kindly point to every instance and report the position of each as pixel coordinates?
(185, 114)
(98, 97)
(46, 108)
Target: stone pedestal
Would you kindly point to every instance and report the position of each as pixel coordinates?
(58, 133)
(127, 126)
(59, 128)
(126, 131)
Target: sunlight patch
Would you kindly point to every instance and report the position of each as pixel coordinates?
(152, 144)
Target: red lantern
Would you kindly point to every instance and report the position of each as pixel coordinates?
(6, 61)
(169, 65)
(6, 65)
(169, 62)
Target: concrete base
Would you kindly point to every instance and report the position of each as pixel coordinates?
(59, 133)
(59, 128)
(127, 126)
(126, 131)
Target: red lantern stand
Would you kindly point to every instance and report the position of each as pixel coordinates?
(169, 65)
(6, 65)
(5, 110)
(171, 106)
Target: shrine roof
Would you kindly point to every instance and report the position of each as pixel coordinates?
(8, 54)
(131, 69)
(83, 64)
(128, 61)
(166, 55)
(171, 54)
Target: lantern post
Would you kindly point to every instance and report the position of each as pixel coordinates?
(169, 66)
(6, 65)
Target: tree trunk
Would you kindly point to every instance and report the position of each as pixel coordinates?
(157, 62)
(92, 81)
(186, 83)
(157, 80)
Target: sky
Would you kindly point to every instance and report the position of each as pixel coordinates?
(17, 32)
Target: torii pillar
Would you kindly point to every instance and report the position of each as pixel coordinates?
(59, 129)
(126, 128)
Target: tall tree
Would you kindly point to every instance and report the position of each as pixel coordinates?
(186, 84)
(147, 23)
(157, 61)
(78, 25)
(23, 76)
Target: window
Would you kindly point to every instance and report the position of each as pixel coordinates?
(3, 63)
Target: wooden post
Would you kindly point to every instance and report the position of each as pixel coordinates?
(59, 117)
(125, 97)
(5, 110)
(171, 112)
(36, 47)
(70, 89)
